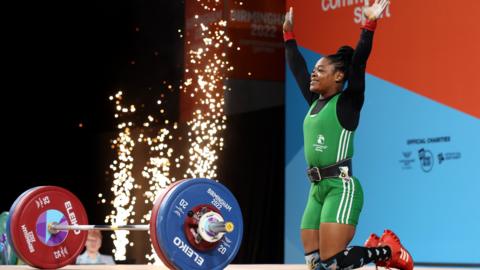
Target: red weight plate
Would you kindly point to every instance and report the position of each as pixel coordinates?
(153, 224)
(29, 227)
(12, 210)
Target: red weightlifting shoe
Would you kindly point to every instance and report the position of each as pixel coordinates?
(372, 242)
(401, 258)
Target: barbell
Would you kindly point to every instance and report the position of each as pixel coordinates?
(195, 224)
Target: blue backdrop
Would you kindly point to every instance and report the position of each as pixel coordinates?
(417, 162)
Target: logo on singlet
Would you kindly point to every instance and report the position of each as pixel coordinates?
(320, 145)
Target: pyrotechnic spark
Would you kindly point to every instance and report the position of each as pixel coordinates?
(205, 74)
(123, 182)
(209, 63)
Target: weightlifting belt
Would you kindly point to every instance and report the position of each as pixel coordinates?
(341, 169)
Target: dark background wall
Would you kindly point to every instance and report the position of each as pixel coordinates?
(62, 60)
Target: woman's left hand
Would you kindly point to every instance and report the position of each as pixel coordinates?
(374, 11)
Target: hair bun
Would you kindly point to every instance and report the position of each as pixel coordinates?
(342, 59)
(346, 52)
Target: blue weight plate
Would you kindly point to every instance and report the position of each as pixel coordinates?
(153, 224)
(173, 213)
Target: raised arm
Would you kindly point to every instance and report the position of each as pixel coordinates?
(295, 60)
(351, 101)
(356, 74)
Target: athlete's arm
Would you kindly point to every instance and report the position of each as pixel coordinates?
(351, 100)
(356, 73)
(295, 60)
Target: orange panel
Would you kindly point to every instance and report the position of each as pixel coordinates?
(428, 46)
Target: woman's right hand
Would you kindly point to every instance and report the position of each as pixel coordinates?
(288, 23)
